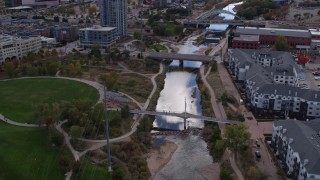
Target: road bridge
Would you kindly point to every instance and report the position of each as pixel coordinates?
(181, 57)
(184, 116)
(205, 22)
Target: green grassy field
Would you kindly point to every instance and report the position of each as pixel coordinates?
(26, 154)
(19, 97)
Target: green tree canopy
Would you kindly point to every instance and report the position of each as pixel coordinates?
(236, 136)
(281, 44)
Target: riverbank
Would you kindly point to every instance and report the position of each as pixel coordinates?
(159, 157)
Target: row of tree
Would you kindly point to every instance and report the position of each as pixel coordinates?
(253, 8)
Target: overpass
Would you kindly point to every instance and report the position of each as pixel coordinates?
(181, 57)
(205, 22)
(183, 115)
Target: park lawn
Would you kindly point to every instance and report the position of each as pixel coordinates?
(26, 154)
(136, 86)
(91, 171)
(18, 98)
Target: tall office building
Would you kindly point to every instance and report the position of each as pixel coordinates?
(113, 13)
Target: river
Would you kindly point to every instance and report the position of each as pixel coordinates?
(180, 87)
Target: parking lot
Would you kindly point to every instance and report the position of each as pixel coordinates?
(312, 80)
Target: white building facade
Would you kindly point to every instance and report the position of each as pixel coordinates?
(12, 47)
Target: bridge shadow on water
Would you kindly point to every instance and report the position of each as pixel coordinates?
(185, 69)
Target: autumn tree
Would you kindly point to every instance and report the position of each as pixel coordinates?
(9, 69)
(236, 137)
(281, 44)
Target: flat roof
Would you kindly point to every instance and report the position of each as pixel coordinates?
(273, 31)
(20, 8)
(98, 28)
(243, 37)
(314, 31)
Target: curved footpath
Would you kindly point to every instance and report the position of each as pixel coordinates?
(219, 113)
(100, 143)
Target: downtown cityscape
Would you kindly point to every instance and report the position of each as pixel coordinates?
(160, 89)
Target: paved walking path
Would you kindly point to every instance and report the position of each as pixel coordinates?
(101, 143)
(256, 129)
(6, 120)
(219, 113)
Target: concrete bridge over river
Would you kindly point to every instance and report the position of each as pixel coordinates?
(189, 57)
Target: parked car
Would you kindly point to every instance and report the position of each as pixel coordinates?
(258, 155)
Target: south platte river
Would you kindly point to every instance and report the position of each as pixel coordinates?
(180, 86)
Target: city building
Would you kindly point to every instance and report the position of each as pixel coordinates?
(113, 13)
(267, 36)
(48, 42)
(12, 47)
(297, 145)
(64, 33)
(246, 42)
(40, 3)
(103, 36)
(270, 84)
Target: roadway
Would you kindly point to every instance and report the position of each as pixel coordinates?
(171, 56)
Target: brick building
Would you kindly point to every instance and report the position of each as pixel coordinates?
(267, 36)
(246, 42)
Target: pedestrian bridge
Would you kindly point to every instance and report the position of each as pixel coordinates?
(171, 56)
(184, 116)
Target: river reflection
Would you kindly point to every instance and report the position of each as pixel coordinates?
(180, 86)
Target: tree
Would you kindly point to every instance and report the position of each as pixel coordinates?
(95, 51)
(42, 113)
(136, 35)
(52, 68)
(70, 70)
(54, 53)
(281, 44)
(236, 137)
(55, 137)
(76, 131)
(125, 112)
(92, 10)
(78, 68)
(9, 69)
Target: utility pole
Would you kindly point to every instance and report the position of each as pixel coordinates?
(107, 127)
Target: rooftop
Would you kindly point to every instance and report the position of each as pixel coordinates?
(243, 37)
(273, 31)
(306, 141)
(98, 28)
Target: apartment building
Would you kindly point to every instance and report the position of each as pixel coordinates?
(297, 145)
(113, 13)
(270, 83)
(13, 47)
(103, 36)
